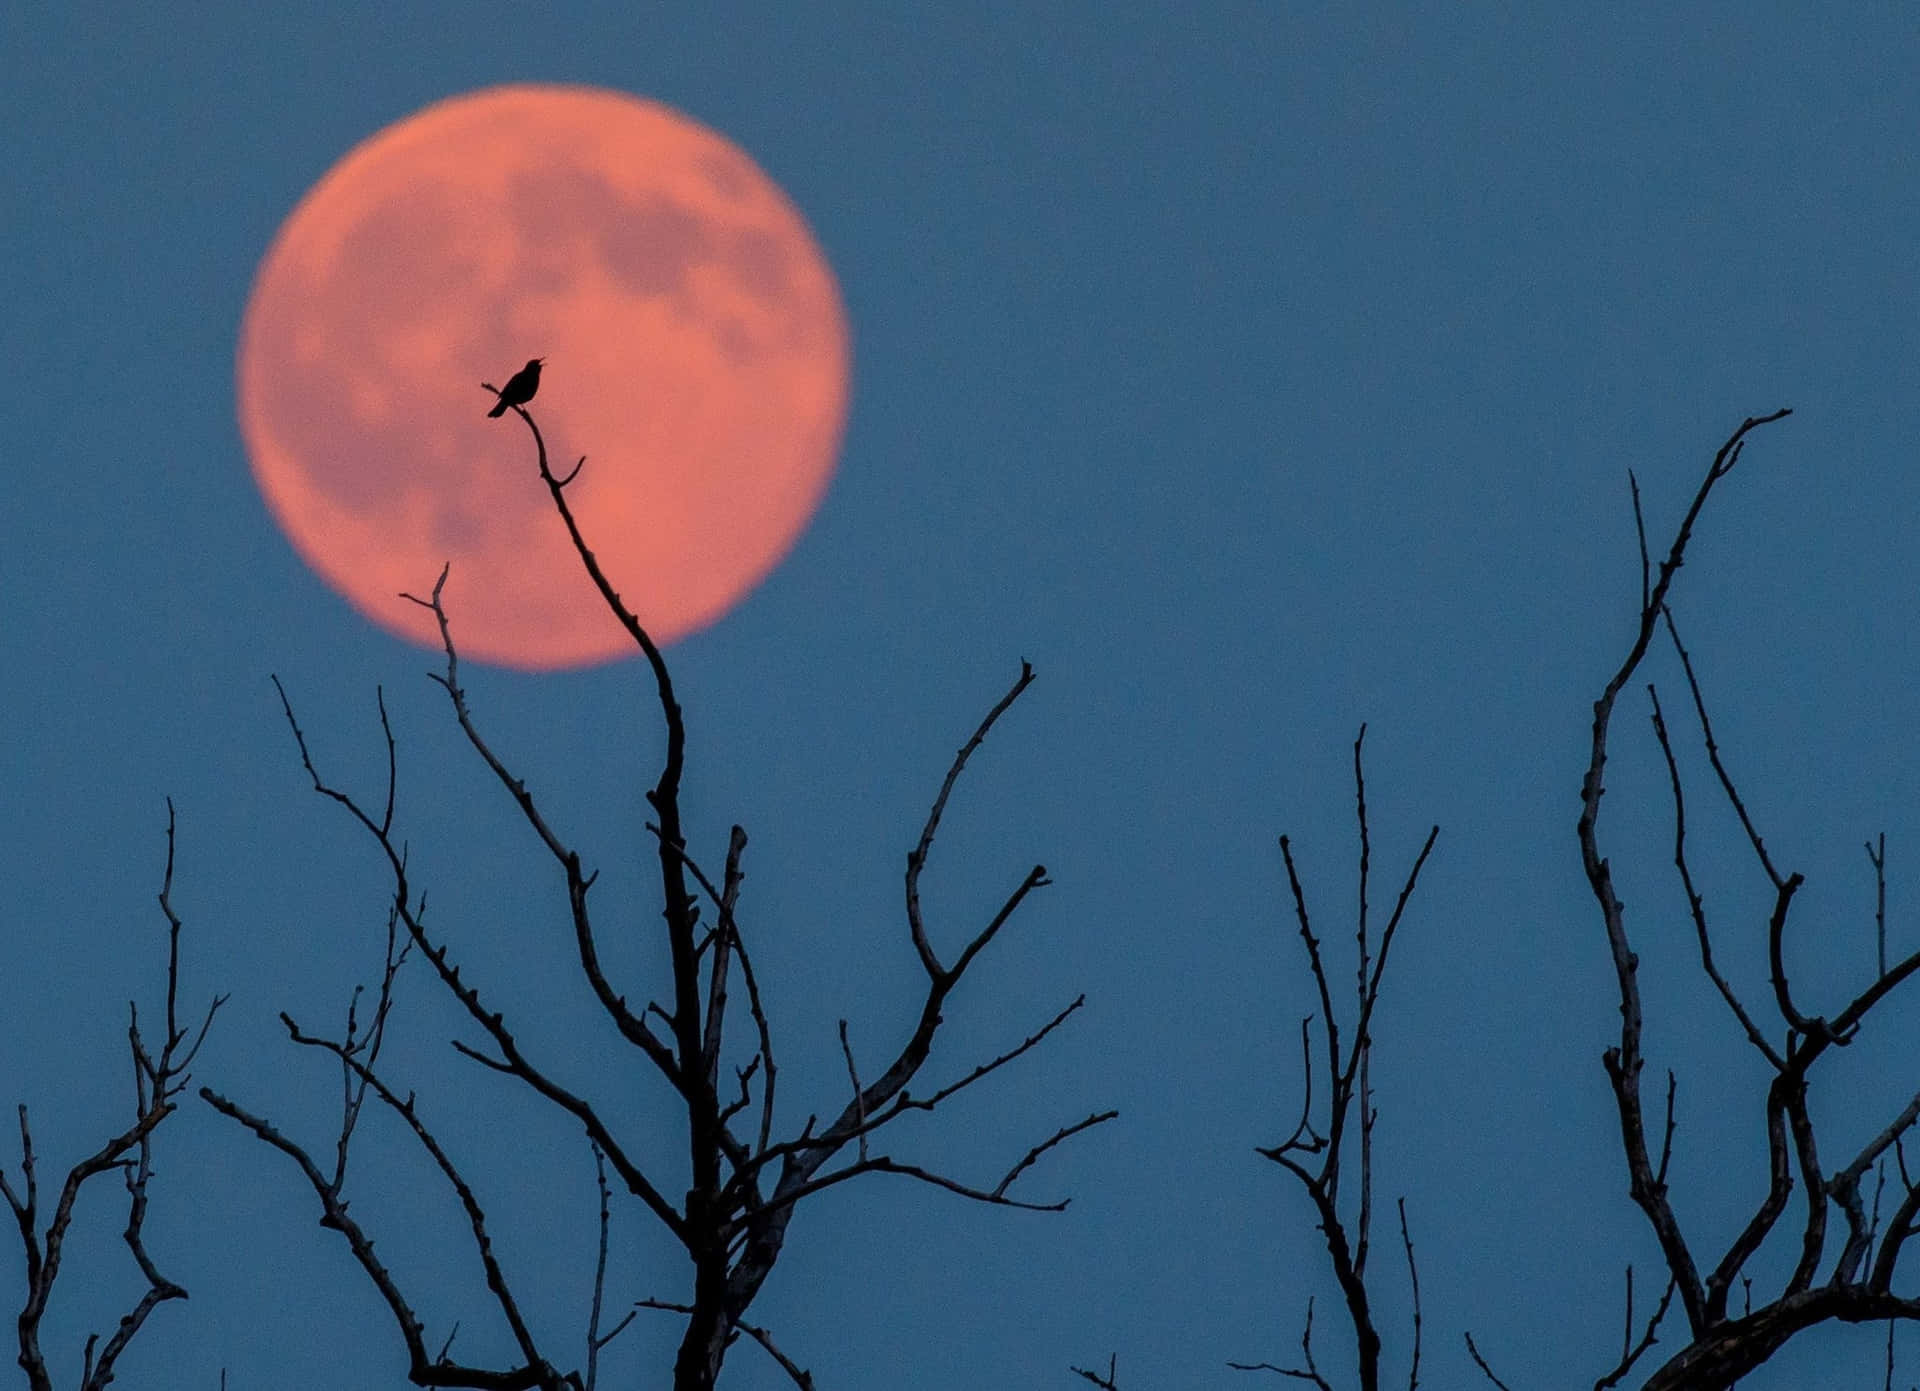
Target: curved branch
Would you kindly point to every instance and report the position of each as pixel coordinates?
(1624, 1061)
(1696, 906)
(491, 1021)
(632, 1027)
(422, 1369)
(476, 1216)
(917, 857)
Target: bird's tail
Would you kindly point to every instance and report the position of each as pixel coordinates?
(499, 409)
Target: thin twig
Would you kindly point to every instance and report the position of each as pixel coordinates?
(1696, 905)
(1311, 1372)
(1363, 1048)
(799, 1377)
(917, 857)
(859, 1095)
(1413, 1277)
(1481, 1363)
(1109, 1382)
(1631, 1351)
(1879, 860)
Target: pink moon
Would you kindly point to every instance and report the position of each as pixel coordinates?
(696, 348)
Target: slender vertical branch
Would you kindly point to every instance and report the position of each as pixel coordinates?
(1413, 1279)
(1879, 860)
(1349, 1077)
(1364, 1226)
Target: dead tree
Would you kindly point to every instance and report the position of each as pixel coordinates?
(1845, 1252)
(158, 1080)
(1340, 1129)
(744, 1177)
(1853, 1283)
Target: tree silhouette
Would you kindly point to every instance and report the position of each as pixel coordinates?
(746, 1176)
(1854, 1284)
(158, 1080)
(1729, 1301)
(1717, 1346)
(1317, 1150)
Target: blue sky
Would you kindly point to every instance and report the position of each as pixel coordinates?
(1252, 371)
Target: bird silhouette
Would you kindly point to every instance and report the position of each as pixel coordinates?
(519, 388)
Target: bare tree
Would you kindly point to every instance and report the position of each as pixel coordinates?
(746, 1171)
(158, 1080)
(744, 1176)
(1855, 1283)
(1845, 1253)
(1340, 1128)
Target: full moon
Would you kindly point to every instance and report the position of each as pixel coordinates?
(696, 353)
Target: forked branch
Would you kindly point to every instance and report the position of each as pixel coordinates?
(158, 1079)
(1316, 1152)
(1721, 1346)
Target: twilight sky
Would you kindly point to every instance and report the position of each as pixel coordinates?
(1254, 373)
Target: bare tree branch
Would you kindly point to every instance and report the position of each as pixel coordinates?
(158, 1080)
(1878, 858)
(741, 1189)
(1624, 1061)
(1310, 1372)
(1481, 1363)
(917, 857)
(1631, 1350)
(405, 1109)
(1695, 904)
(1721, 1347)
(632, 1027)
(1413, 1278)
(594, 1341)
(1348, 1081)
(513, 1060)
(799, 1377)
(422, 1370)
(1108, 1382)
